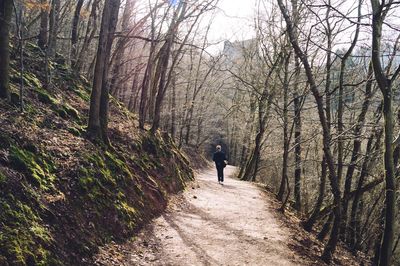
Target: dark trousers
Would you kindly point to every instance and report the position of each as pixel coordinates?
(220, 172)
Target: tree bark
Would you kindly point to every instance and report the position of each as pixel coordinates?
(309, 223)
(358, 193)
(297, 102)
(91, 30)
(75, 32)
(340, 123)
(332, 242)
(44, 25)
(355, 154)
(5, 21)
(54, 23)
(98, 113)
(286, 137)
(162, 65)
(379, 12)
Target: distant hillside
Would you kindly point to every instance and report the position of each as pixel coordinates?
(61, 196)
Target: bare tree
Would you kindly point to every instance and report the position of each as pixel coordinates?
(75, 31)
(98, 114)
(44, 24)
(5, 21)
(379, 12)
(332, 242)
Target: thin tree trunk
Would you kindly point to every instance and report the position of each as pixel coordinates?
(5, 21)
(309, 223)
(44, 25)
(379, 12)
(75, 32)
(332, 242)
(363, 174)
(286, 138)
(340, 123)
(91, 30)
(98, 113)
(297, 118)
(357, 141)
(54, 23)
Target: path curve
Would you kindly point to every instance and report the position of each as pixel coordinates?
(212, 224)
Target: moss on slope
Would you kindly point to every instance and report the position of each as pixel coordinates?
(61, 197)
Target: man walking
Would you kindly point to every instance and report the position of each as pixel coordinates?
(219, 158)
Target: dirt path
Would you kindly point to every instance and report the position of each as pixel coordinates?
(212, 224)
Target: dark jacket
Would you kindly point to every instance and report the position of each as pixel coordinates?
(219, 158)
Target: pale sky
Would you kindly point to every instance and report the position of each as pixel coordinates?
(233, 21)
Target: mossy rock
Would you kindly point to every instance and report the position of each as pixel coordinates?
(36, 169)
(65, 111)
(81, 91)
(3, 179)
(75, 131)
(45, 97)
(32, 80)
(23, 238)
(28, 79)
(86, 178)
(33, 48)
(127, 213)
(117, 165)
(71, 111)
(62, 113)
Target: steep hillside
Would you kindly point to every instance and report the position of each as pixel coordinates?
(61, 196)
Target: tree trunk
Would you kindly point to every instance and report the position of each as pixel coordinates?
(120, 48)
(326, 227)
(148, 75)
(5, 21)
(54, 23)
(161, 79)
(297, 102)
(75, 32)
(98, 113)
(379, 12)
(332, 242)
(340, 123)
(286, 138)
(363, 174)
(91, 30)
(309, 223)
(173, 107)
(355, 154)
(44, 25)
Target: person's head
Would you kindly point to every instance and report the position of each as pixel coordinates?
(218, 147)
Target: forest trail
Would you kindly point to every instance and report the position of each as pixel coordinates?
(211, 224)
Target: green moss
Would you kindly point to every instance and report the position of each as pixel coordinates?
(75, 131)
(32, 80)
(28, 78)
(86, 178)
(65, 111)
(37, 170)
(3, 177)
(62, 113)
(45, 97)
(127, 213)
(96, 178)
(23, 238)
(80, 90)
(117, 165)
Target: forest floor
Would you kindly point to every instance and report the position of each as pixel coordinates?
(212, 224)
